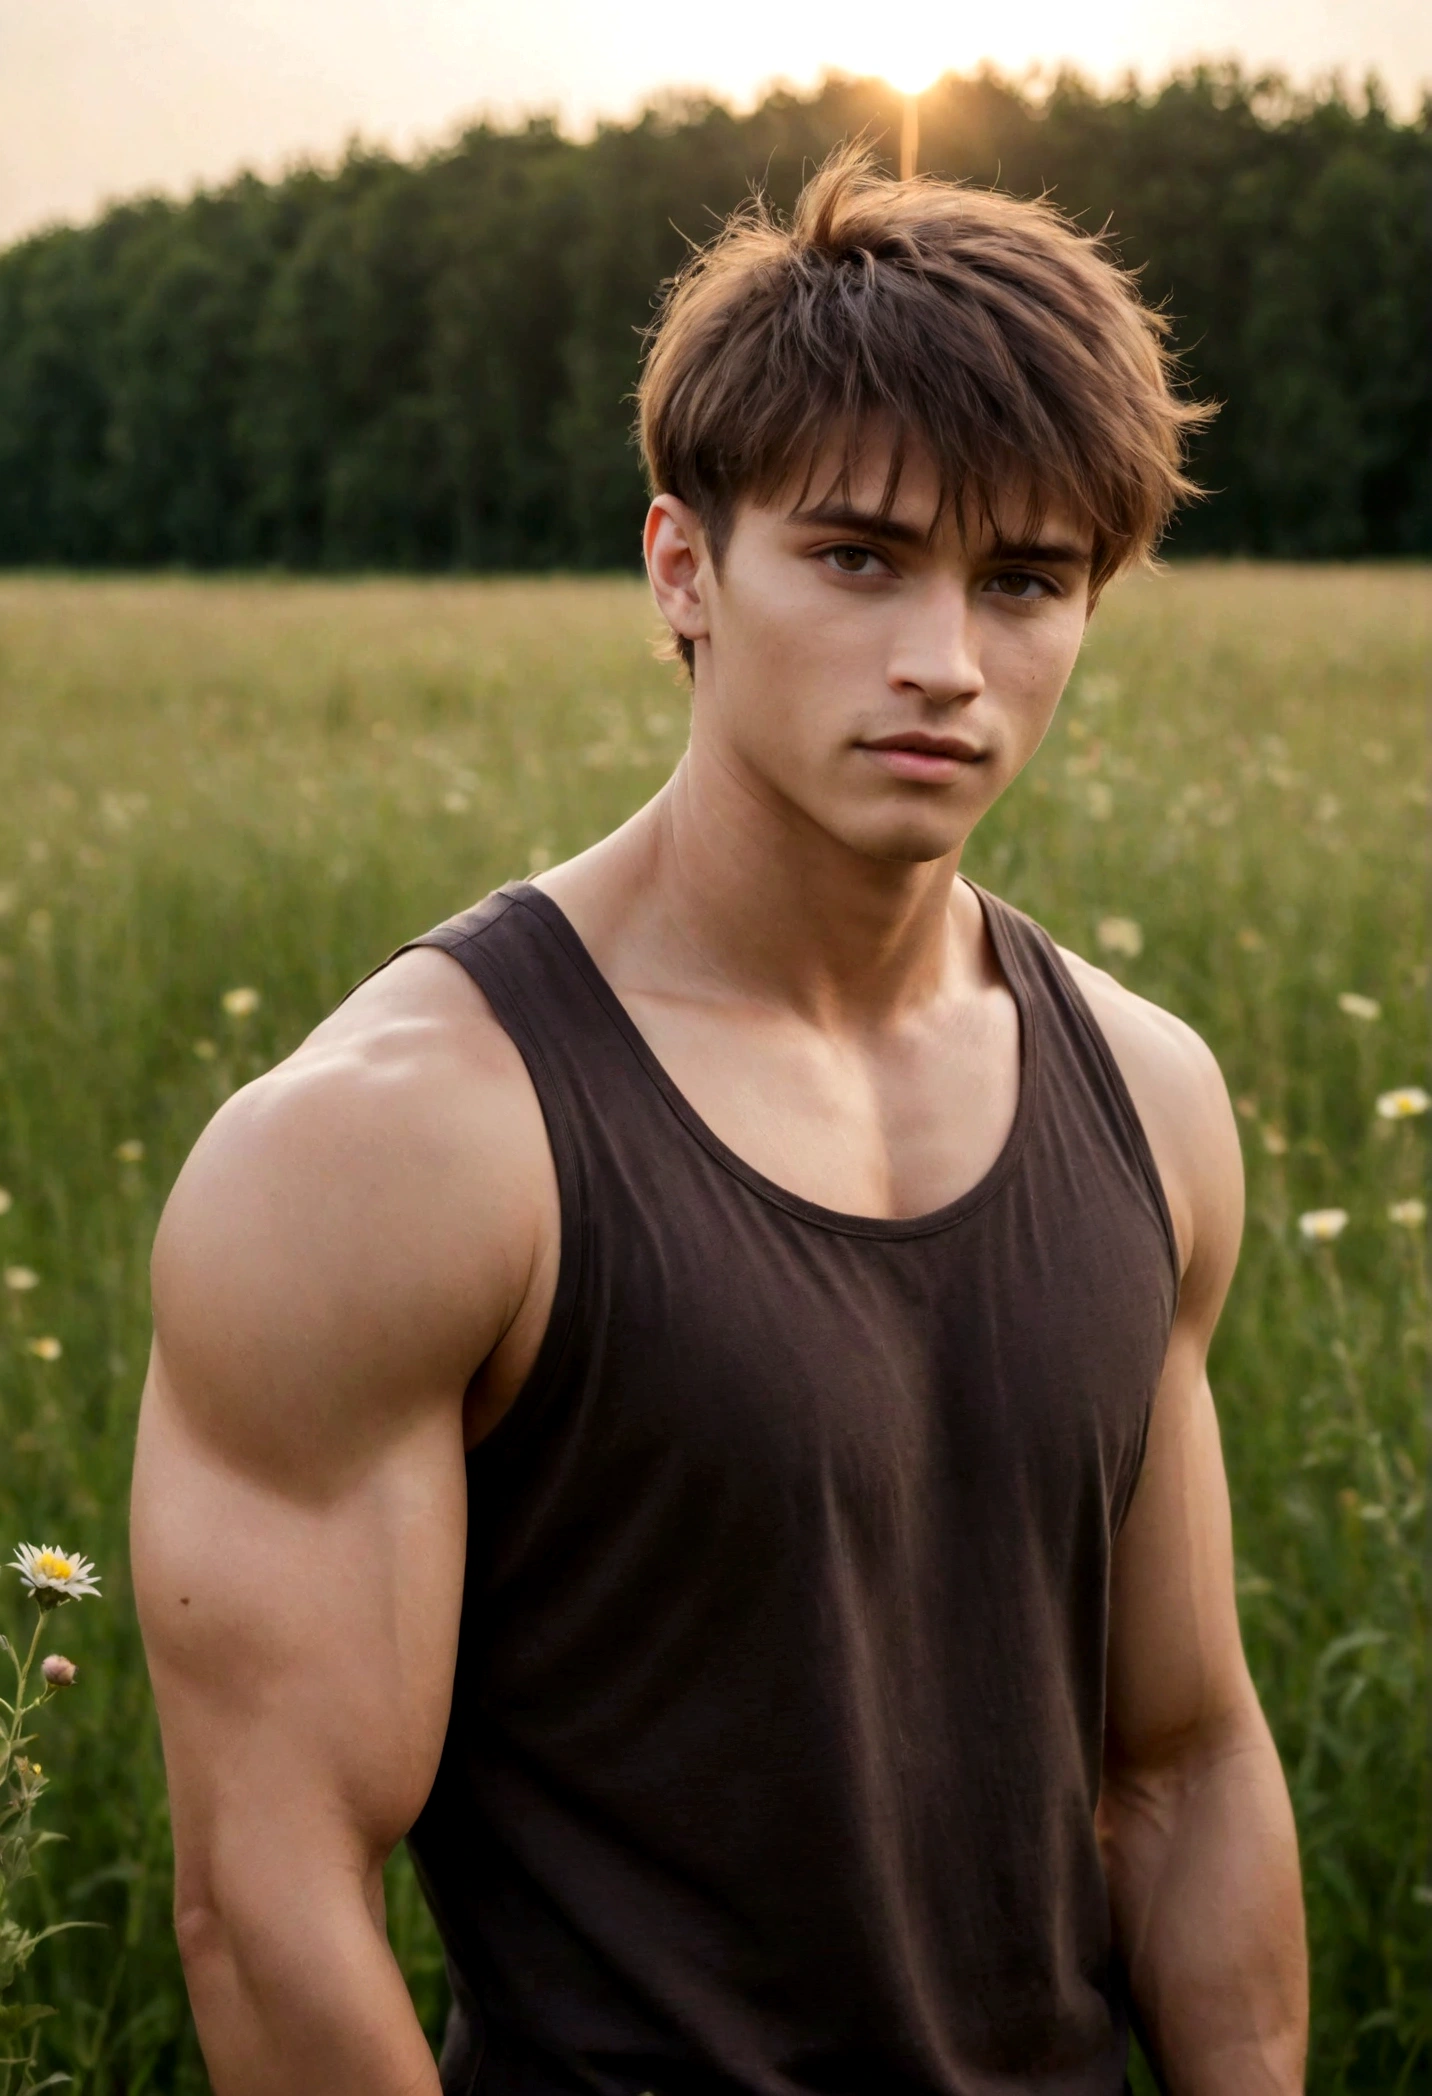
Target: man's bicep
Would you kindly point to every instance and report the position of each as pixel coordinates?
(1175, 1656)
(301, 1644)
(1175, 1660)
(300, 1496)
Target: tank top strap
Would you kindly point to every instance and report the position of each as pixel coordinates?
(534, 971)
(1080, 1080)
(587, 1064)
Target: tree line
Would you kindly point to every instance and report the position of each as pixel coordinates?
(428, 363)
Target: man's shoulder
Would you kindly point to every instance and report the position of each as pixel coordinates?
(1164, 1049)
(413, 1065)
(380, 1190)
(1179, 1093)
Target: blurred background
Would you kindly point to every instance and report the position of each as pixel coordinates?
(320, 614)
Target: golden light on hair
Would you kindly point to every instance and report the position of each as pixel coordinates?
(993, 335)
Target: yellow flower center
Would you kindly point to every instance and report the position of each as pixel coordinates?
(54, 1567)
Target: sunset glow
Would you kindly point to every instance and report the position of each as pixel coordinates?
(103, 98)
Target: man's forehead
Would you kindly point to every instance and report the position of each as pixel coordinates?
(903, 491)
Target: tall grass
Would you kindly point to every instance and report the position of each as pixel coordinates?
(267, 785)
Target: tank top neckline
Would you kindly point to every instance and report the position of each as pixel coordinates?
(556, 921)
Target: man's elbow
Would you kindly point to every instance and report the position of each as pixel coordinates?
(199, 1931)
(1180, 1740)
(227, 1922)
(206, 1933)
(1147, 1778)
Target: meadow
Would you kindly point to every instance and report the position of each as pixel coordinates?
(264, 785)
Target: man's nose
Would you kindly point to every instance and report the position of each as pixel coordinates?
(936, 653)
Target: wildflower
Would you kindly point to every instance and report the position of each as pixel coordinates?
(58, 1671)
(1246, 1106)
(6, 1201)
(1099, 799)
(1408, 1215)
(21, 1278)
(1120, 935)
(240, 1003)
(60, 1575)
(1402, 1104)
(1275, 1142)
(1099, 690)
(131, 1151)
(205, 1050)
(1250, 940)
(1323, 1225)
(456, 802)
(46, 1349)
(1359, 1007)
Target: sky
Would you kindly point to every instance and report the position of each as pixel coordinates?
(107, 98)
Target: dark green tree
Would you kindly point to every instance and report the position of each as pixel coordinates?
(429, 364)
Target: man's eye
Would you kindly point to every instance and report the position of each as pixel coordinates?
(853, 560)
(1017, 583)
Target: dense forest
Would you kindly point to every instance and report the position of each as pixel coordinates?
(427, 364)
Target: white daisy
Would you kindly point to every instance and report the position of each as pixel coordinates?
(1400, 1105)
(1323, 1225)
(1408, 1215)
(1359, 1007)
(54, 1575)
(241, 1002)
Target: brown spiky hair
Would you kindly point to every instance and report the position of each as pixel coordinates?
(991, 333)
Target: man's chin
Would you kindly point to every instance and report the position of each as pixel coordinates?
(903, 840)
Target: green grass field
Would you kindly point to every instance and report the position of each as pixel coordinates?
(267, 785)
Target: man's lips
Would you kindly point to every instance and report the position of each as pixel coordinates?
(918, 755)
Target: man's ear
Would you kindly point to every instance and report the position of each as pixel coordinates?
(678, 566)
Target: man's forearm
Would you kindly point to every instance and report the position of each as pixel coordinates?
(304, 1999)
(1203, 1874)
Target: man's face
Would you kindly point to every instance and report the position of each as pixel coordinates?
(885, 679)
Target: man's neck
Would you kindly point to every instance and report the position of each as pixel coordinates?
(720, 888)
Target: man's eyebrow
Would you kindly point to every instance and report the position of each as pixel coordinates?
(870, 523)
(1052, 553)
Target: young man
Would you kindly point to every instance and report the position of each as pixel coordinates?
(686, 1395)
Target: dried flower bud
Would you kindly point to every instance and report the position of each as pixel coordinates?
(58, 1671)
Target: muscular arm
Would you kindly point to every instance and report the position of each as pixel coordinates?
(1195, 1823)
(351, 1236)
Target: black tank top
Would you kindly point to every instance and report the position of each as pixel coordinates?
(776, 1729)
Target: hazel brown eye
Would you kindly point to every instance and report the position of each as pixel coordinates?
(850, 559)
